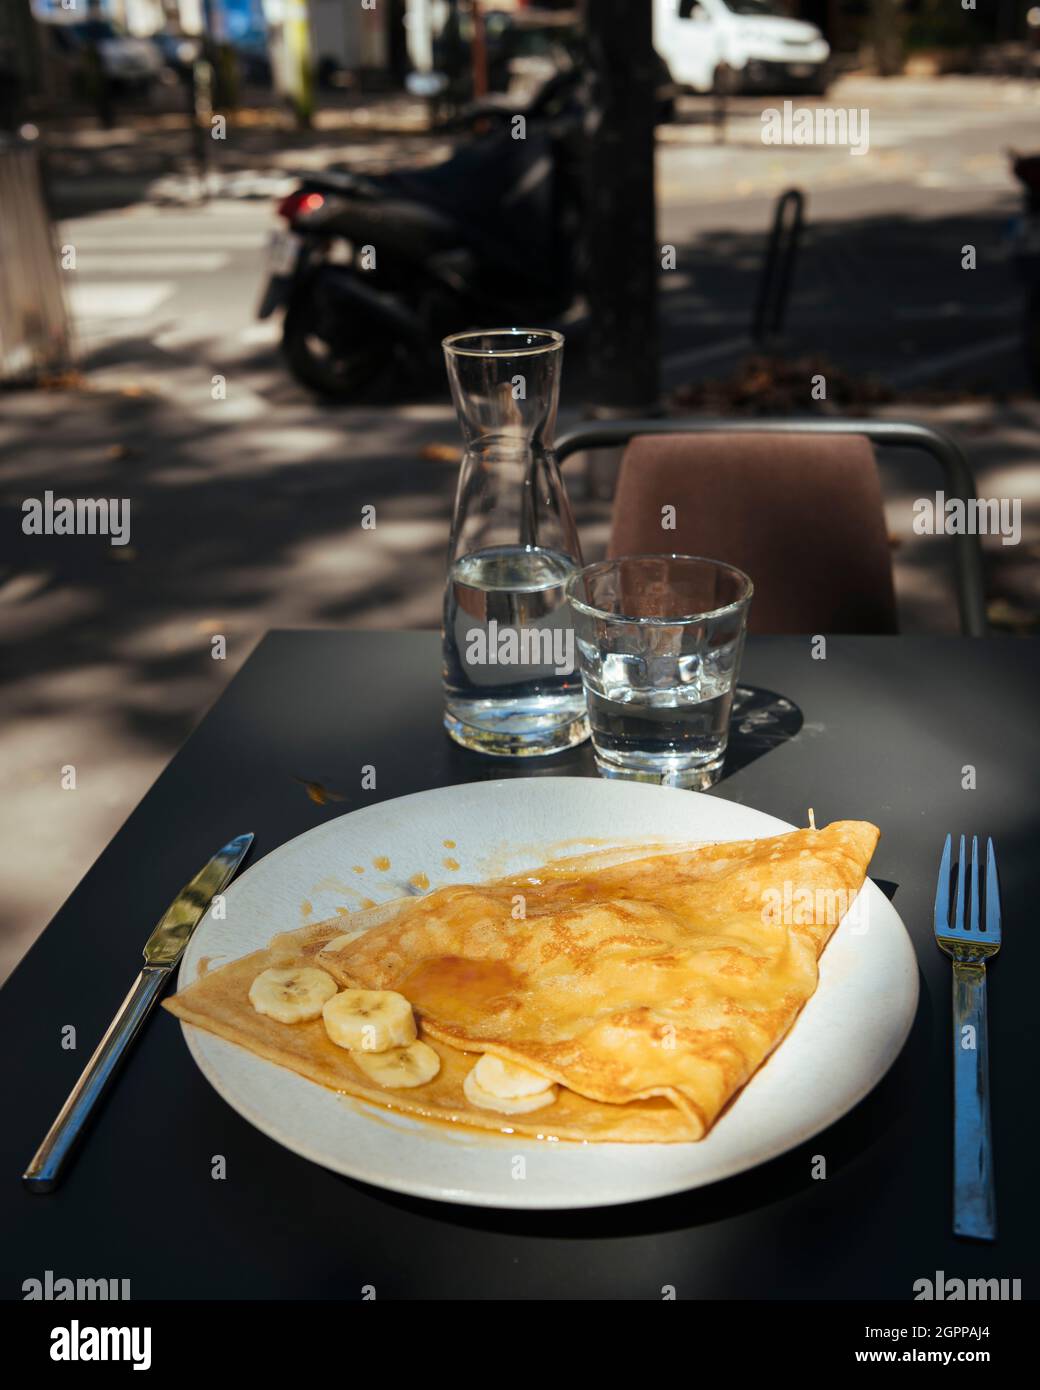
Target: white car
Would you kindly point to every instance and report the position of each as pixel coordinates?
(739, 45)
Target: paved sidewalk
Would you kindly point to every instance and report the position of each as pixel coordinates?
(243, 524)
(153, 156)
(245, 510)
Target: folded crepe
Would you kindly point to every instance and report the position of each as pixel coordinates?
(651, 990)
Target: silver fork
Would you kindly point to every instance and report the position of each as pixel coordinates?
(969, 944)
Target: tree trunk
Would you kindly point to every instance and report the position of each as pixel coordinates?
(19, 62)
(620, 220)
(886, 28)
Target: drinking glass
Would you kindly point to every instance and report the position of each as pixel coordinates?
(511, 683)
(660, 639)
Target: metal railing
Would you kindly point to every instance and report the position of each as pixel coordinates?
(778, 269)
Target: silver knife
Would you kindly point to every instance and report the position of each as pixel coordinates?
(161, 953)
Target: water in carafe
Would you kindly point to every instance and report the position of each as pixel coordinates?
(511, 680)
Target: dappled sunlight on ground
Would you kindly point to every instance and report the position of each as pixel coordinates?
(246, 510)
(239, 529)
(234, 529)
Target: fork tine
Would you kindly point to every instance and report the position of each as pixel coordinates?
(942, 888)
(992, 892)
(958, 919)
(973, 901)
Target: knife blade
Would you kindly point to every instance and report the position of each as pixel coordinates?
(162, 951)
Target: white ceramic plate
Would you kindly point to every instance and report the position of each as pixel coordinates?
(844, 1041)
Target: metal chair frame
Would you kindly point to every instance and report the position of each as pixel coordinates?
(959, 479)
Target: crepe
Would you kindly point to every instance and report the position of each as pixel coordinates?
(218, 1002)
(650, 990)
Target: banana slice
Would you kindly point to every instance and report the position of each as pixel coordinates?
(508, 1080)
(413, 1065)
(294, 995)
(369, 1020)
(507, 1105)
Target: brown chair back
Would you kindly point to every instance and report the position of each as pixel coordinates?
(800, 513)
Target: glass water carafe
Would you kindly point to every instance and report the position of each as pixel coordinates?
(511, 681)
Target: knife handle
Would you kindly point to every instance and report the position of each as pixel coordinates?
(974, 1202)
(44, 1171)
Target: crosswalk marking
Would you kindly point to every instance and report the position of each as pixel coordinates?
(82, 234)
(132, 271)
(121, 300)
(145, 262)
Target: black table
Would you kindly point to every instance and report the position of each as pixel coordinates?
(890, 724)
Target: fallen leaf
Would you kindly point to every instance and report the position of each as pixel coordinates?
(70, 380)
(1010, 617)
(769, 385)
(318, 792)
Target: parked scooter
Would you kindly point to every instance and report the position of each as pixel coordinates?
(374, 271)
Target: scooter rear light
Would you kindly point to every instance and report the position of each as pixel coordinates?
(299, 203)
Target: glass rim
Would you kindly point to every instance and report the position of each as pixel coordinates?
(455, 342)
(678, 618)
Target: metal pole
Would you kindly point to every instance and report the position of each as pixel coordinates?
(201, 121)
(479, 52)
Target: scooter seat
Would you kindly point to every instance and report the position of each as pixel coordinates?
(343, 181)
